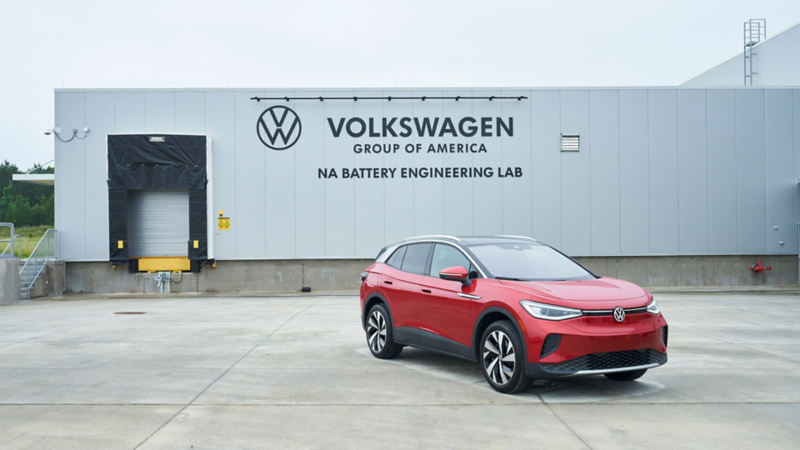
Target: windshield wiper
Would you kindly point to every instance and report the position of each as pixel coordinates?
(507, 279)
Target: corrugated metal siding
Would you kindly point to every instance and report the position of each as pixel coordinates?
(681, 171)
(158, 223)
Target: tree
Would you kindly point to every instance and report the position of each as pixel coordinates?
(6, 171)
(25, 204)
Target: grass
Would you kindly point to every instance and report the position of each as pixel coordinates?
(29, 237)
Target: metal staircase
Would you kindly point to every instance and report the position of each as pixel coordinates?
(31, 268)
(24, 286)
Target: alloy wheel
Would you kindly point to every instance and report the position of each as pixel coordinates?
(499, 358)
(376, 331)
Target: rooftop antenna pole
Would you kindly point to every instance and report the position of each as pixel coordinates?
(755, 31)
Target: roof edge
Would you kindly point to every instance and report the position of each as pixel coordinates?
(449, 89)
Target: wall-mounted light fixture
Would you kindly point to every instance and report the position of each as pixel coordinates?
(57, 130)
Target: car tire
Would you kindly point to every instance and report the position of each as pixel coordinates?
(626, 376)
(380, 336)
(501, 351)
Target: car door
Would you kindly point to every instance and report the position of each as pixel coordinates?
(408, 263)
(445, 306)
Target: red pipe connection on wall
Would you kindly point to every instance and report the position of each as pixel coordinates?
(759, 267)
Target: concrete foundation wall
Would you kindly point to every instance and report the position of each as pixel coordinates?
(9, 281)
(229, 276)
(52, 281)
(679, 271)
(345, 274)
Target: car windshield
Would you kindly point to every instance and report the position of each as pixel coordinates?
(528, 262)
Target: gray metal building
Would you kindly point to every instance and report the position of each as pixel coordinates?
(775, 62)
(663, 185)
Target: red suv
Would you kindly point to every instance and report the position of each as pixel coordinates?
(519, 307)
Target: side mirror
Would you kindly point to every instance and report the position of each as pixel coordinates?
(457, 273)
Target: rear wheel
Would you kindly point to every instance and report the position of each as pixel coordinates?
(379, 334)
(503, 358)
(626, 376)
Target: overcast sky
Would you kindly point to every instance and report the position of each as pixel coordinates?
(343, 43)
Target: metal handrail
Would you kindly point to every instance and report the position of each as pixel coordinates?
(11, 244)
(12, 237)
(35, 264)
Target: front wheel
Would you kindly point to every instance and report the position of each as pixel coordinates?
(503, 358)
(626, 376)
(380, 335)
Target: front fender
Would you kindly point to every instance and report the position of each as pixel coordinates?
(510, 315)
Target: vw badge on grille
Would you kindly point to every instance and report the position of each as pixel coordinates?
(619, 314)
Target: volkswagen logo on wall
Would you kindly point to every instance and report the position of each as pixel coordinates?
(278, 127)
(619, 314)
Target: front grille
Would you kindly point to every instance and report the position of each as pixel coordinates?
(605, 361)
(551, 343)
(610, 312)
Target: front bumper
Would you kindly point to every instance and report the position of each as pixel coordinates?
(596, 363)
(593, 345)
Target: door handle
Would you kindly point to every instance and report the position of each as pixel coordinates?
(387, 282)
(426, 291)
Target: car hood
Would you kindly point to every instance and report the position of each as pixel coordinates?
(599, 290)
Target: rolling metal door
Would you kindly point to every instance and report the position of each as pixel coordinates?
(158, 223)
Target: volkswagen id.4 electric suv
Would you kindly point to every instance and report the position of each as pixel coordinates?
(520, 308)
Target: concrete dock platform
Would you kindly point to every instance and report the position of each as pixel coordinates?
(294, 372)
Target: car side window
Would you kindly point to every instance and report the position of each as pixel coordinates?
(416, 258)
(396, 260)
(445, 256)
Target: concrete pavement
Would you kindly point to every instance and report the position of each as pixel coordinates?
(294, 372)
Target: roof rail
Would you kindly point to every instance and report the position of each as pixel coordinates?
(518, 237)
(434, 236)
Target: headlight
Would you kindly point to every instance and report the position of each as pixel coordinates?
(652, 308)
(549, 312)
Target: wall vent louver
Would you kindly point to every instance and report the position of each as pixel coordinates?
(570, 143)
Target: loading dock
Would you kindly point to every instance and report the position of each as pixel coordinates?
(158, 202)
